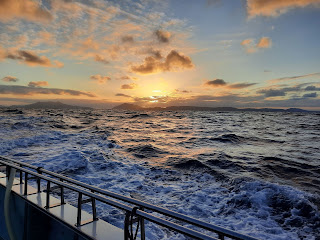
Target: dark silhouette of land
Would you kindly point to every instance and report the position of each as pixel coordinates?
(50, 105)
(133, 107)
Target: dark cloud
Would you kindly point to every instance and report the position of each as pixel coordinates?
(10, 79)
(122, 95)
(312, 88)
(101, 59)
(240, 85)
(173, 62)
(272, 92)
(310, 95)
(182, 91)
(129, 86)
(162, 36)
(38, 84)
(216, 83)
(127, 39)
(32, 59)
(294, 77)
(155, 53)
(23, 90)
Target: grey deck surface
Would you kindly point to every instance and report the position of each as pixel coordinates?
(66, 213)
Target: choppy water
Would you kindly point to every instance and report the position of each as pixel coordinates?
(257, 173)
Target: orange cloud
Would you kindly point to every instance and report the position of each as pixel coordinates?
(38, 84)
(10, 79)
(173, 62)
(129, 86)
(264, 42)
(251, 47)
(246, 42)
(274, 8)
(101, 59)
(31, 59)
(100, 79)
(25, 9)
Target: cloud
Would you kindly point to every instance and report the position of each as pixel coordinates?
(127, 78)
(101, 59)
(173, 62)
(153, 52)
(122, 95)
(10, 79)
(162, 36)
(312, 88)
(31, 59)
(240, 85)
(23, 90)
(153, 99)
(251, 47)
(317, 74)
(246, 42)
(127, 39)
(274, 8)
(100, 79)
(224, 84)
(264, 42)
(182, 91)
(310, 95)
(25, 9)
(38, 84)
(272, 92)
(129, 86)
(216, 83)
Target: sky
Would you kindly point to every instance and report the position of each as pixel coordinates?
(217, 53)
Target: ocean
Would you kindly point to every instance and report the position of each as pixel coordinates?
(253, 172)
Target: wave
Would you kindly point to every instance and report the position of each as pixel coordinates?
(146, 151)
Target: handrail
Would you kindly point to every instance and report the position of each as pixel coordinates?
(178, 216)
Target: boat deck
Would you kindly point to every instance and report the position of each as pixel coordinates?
(66, 213)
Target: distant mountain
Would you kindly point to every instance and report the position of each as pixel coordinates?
(128, 106)
(50, 105)
(133, 107)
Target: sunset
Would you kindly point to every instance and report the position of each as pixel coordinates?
(159, 119)
(101, 53)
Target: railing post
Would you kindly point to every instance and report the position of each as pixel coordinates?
(8, 169)
(48, 196)
(39, 180)
(94, 210)
(20, 175)
(79, 209)
(25, 184)
(221, 236)
(142, 229)
(62, 193)
(126, 226)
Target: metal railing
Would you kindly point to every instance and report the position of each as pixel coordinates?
(135, 213)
